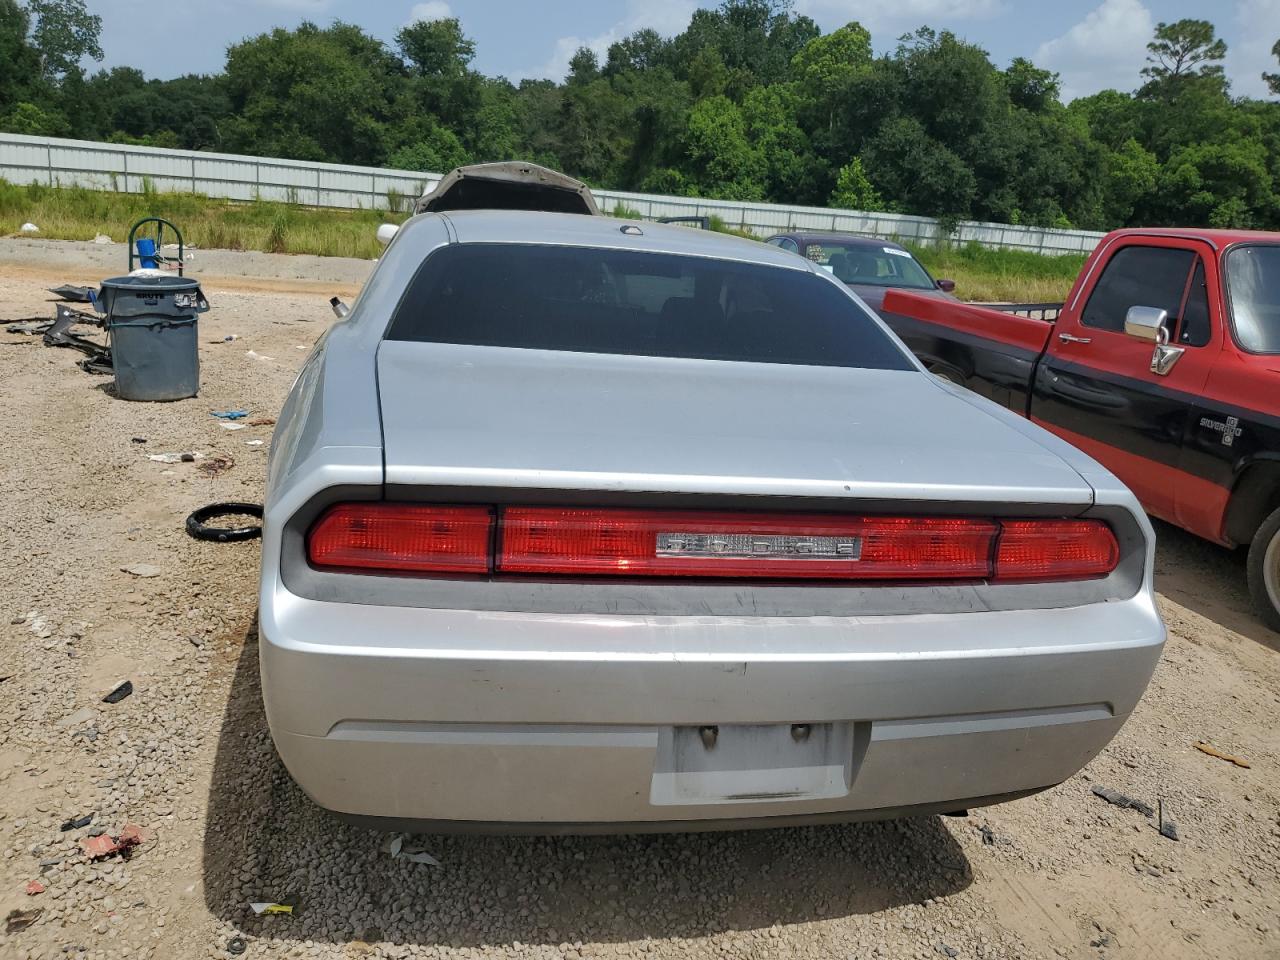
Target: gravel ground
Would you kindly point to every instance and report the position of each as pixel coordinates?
(187, 757)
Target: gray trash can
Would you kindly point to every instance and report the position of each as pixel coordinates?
(155, 345)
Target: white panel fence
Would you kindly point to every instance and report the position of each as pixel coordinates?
(110, 166)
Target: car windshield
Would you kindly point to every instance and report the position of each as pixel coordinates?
(648, 304)
(1253, 281)
(873, 266)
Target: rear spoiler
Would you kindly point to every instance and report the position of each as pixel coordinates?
(968, 318)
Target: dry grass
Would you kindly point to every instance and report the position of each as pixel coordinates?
(74, 213)
(1002, 275)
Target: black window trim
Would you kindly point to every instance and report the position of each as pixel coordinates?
(1225, 279)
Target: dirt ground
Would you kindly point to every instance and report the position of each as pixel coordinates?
(186, 756)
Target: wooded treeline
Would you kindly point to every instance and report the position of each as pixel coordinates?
(750, 102)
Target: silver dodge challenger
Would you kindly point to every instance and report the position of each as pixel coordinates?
(577, 524)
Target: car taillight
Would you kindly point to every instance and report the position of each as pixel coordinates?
(1055, 550)
(600, 541)
(408, 537)
(555, 540)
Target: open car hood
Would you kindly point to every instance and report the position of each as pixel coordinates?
(511, 185)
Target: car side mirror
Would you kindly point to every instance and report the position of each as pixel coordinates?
(387, 233)
(1146, 323)
(946, 286)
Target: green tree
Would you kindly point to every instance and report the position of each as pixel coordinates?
(436, 48)
(19, 61)
(435, 149)
(64, 33)
(921, 174)
(29, 119)
(853, 190)
(1030, 87)
(719, 158)
(1184, 50)
(1133, 173)
(826, 67)
(312, 94)
(1273, 79)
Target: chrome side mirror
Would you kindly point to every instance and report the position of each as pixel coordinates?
(1151, 324)
(1146, 323)
(387, 233)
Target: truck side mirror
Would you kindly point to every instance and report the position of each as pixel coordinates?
(946, 286)
(1146, 323)
(387, 233)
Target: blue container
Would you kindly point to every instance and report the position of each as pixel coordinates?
(147, 253)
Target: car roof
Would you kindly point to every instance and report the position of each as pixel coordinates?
(1219, 238)
(570, 229)
(849, 239)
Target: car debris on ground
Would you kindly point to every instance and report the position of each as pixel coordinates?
(395, 846)
(119, 692)
(18, 920)
(1118, 799)
(105, 845)
(77, 823)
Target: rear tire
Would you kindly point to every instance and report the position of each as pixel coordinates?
(1264, 570)
(947, 374)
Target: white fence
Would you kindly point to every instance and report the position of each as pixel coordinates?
(110, 166)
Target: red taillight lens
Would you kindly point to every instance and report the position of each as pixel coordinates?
(1055, 550)
(420, 538)
(409, 537)
(554, 540)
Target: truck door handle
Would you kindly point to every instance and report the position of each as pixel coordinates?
(1068, 338)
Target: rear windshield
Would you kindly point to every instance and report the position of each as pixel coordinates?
(648, 304)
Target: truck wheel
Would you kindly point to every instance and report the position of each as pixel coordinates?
(947, 374)
(1264, 570)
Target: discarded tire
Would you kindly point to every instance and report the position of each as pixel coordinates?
(198, 523)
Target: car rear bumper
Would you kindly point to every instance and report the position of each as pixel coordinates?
(558, 722)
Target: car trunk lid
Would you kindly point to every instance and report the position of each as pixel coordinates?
(510, 419)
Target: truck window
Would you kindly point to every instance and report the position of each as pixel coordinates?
(1138, 277)
(1195, 330)
(1253, 284)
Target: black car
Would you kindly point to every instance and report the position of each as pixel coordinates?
(868, 265)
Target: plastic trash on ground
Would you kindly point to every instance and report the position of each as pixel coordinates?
(269, 908)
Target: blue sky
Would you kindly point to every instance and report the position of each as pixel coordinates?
(1093, 44)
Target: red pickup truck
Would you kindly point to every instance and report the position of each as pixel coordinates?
(1163, 364)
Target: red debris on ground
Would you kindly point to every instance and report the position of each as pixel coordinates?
(131, 836)
(95, 848)
(34, 887)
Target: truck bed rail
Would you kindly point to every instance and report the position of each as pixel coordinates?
(1035, 311)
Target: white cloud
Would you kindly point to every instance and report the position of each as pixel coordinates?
(1107, 49)
(302, 6)
(896, 17)
(668, 17)
(431, 10)
(1250, 54)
